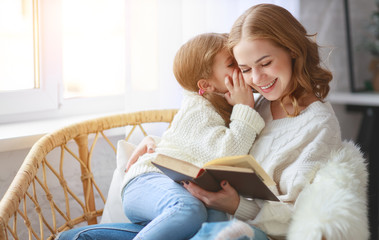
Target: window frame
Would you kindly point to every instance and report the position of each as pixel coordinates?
(47, 100)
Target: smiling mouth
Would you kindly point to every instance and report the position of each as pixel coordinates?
(269, 85)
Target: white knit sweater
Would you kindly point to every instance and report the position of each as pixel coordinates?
(291, 150)
(198, 134)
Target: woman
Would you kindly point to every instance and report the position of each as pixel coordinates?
(281, 61)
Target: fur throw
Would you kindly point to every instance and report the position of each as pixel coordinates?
(334, 206)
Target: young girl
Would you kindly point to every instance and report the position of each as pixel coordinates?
(216, 119)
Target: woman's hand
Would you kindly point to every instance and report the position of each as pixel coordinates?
(226, 200)
(147, 145)
(238, 91)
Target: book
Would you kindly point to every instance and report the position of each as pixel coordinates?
(242, 172)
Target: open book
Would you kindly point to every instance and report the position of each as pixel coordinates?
(242, 172)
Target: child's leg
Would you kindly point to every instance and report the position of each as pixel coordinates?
(216, 216)
(109, 231)
(167, 209)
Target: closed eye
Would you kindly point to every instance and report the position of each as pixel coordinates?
(266, 64)
(245, 70)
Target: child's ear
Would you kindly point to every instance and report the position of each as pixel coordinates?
(205, 85)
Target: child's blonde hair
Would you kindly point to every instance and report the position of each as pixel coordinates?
(194, 61)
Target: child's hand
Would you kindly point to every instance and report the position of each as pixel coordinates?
(147, 145)
(239, 91)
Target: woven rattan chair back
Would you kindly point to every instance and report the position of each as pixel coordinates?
(43, 199)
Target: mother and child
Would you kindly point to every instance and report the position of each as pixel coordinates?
(290, 130)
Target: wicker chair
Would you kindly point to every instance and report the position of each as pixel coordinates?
(41, 201)
(56, 189)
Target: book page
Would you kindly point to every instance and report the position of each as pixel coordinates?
(230, 168)
(177, 165)
(243, 161)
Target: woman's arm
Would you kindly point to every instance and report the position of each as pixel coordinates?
(226, 200)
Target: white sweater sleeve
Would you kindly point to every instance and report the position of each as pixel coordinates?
(198, 132)
(247, 209)
(219, 141)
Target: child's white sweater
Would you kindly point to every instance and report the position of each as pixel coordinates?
(291, 150)
(198, 134)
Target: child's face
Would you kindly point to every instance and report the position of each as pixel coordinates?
(265, 66)
(223, 66)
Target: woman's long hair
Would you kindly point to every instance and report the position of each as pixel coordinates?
(272, 22)
(194, 61)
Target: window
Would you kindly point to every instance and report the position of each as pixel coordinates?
(20, 88)
(16, 46)
(61, 57)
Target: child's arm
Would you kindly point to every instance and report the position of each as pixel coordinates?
(199, 132)
(239, 91)
(147, 145)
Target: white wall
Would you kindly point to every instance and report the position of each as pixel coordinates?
(327, 19)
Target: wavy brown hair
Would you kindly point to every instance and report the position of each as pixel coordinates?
(269, 21)
(194, 61)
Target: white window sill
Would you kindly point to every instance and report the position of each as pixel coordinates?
(359, 98)
(17, 136)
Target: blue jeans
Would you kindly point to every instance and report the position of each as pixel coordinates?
(109, 231)
(127, 231)
(165, 208)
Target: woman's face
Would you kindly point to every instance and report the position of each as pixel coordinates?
(265, 66)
